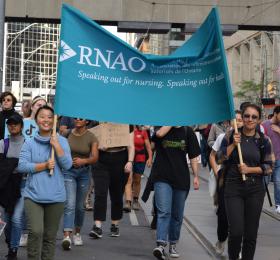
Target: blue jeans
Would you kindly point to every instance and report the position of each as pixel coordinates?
(76, 185)
(170, 205)
(15, 222)
(276, 181)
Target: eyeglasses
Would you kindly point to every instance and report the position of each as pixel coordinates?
(6, 99)
(79, 119)
(253, 117)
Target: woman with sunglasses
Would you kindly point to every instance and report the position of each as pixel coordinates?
(244, 199)
(44, 193)
(8, 103)
(84, 151)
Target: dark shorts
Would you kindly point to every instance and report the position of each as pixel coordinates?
(139, 167)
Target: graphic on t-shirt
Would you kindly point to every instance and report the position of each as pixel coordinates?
(181, 144)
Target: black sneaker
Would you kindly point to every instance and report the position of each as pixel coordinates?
(96, 232)
(115, 231)
(159, 252)
(12, 254)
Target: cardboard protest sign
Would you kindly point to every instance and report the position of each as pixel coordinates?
(111, 135)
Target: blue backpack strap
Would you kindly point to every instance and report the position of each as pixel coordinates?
(6, 146)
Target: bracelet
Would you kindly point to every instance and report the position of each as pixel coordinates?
(131, 162)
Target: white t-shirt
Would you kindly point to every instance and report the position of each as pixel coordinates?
(216, 146)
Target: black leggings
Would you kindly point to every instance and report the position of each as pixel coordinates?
(109, 175)
(243, 201)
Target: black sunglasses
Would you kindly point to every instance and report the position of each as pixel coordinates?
(247, 116)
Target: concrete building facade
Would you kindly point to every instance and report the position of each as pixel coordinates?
(254, 56)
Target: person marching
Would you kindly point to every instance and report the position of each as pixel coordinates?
(244, 199)
(219, 170)
(10, 191)
(110, 174)
(171, 179)
(84, 151)
(44, 194)
(26, 108)
(141, 141)
(133, 186)
(8, 103)
(34, 105)
(272, 129)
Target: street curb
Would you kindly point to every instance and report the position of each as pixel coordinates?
(201, 239)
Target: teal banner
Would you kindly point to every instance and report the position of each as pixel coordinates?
(102, 78)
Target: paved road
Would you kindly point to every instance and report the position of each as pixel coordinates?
(137, 240)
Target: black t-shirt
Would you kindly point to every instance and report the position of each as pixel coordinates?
(250, 152)
(170, 164)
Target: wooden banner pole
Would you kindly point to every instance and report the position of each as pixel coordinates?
(239, 149)
(53, 134)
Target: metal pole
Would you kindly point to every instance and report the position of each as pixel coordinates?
(41, 83)
(4, 59)
(21, 71)
(46, 89)
(2, 34)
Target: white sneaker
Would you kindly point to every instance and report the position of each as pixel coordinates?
(77, 240)
(240, 256)
(66, 243)
(220, 247)
(23, 240)
(277, 209)
(173, 251)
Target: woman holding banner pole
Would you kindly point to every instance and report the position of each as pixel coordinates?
(244, 198)
(34, 105)
(44, 194)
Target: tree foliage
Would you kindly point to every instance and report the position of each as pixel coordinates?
(249, 91)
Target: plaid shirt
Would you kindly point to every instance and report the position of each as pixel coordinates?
(268, 159)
